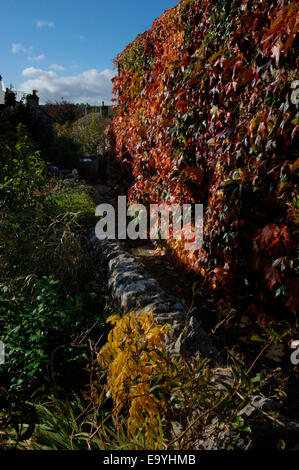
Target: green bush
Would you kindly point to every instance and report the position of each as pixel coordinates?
(38, 324)
(63, 151)
(41, 133)
(47, 293)
(87, 132)
(43, 224)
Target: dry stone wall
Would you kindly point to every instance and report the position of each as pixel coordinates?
(131, 288)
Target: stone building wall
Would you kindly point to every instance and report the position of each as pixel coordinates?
(2, 93)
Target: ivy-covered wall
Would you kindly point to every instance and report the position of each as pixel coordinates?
(208, 113)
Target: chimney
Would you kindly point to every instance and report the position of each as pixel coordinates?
(32, 101)
(104, 111)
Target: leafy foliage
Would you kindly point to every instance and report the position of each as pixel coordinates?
(21, 170)
(41, 222)
(172, 402)
(206, 114)
(88, 132)
(63, 111)
(131, 356)
(38, 325)
(158, 401)
(61, 151)
(46, 294)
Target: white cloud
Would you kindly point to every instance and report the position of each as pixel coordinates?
(17, 47)
(56, 67)
(90, 86)
(41, 24)
(37, 58)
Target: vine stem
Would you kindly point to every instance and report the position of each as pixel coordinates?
(257, 358)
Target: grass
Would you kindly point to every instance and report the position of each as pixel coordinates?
(52, 302)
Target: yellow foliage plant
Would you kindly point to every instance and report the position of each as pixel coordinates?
(135, 361)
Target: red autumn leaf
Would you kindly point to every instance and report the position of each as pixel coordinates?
(195, 174)
(271, 276)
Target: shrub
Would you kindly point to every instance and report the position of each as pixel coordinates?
(43, 239)
(40, 132)
(62, 151)
(88, 132)
(43, 224)
(38, 325)
(132, 358)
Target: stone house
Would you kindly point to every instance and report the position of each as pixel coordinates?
(2, 93)
(8, 98)
(32, 103)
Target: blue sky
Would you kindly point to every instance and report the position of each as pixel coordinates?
(65, 48)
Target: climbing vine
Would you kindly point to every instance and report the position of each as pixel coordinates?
(207, 113)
